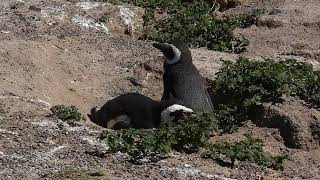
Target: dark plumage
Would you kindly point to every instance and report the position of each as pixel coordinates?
(182, 79)
(131, 110)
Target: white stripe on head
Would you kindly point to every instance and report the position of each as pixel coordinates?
(176, 57)
(165, 114)
(122, 118)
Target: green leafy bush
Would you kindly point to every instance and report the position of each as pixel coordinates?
(194, 23)
(192, 133)
(187, 135)
(138, 143)
(249, 149)
(243, 86)
(311, 92)
(68, 114)
(228, 117)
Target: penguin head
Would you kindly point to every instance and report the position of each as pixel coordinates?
(93, 114)
(97, 116)
(102, 117)
(175, 52)
(175, 112)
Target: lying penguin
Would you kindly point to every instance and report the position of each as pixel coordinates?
(134, 110)
(182, 79)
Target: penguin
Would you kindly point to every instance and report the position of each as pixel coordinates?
(131, 110)
(182, 79)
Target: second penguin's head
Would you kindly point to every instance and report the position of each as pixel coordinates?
(175, 52)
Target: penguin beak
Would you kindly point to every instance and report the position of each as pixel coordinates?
(92, 113)
(164, 47)
(89, 116)
(171, 52)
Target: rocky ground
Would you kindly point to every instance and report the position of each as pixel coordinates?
(54, 52)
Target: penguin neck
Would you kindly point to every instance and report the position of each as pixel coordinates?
(166, 103)
(176, 56)
(180, 66)
(157, 110)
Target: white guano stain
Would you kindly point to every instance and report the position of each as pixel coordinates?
(89, 23)
(88, 5)
(193, 172)
(4, 131)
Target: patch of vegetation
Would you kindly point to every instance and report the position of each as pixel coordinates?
(194, 23)
(197, 27)
(311, 91)
(241, 87)
(68, 114)
(76, 174)
(187, 136)
(249, 149)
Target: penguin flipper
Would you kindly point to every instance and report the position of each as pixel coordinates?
(166, 88)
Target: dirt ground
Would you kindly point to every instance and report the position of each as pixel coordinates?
(52, 52)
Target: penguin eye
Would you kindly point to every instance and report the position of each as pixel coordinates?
(169, 54)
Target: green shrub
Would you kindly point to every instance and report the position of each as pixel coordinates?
(249, 149)
(311, 92)
(243, 86)
(194, 23)
(138, 143)
(187, 135)
(228, 117)
(191, 134)
(69, 114)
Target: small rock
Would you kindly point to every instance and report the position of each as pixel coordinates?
(34, 8)
(17, 5)
(5, 32)
(135, 81)
(316, 115)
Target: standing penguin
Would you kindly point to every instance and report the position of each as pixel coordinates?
(182, 79)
